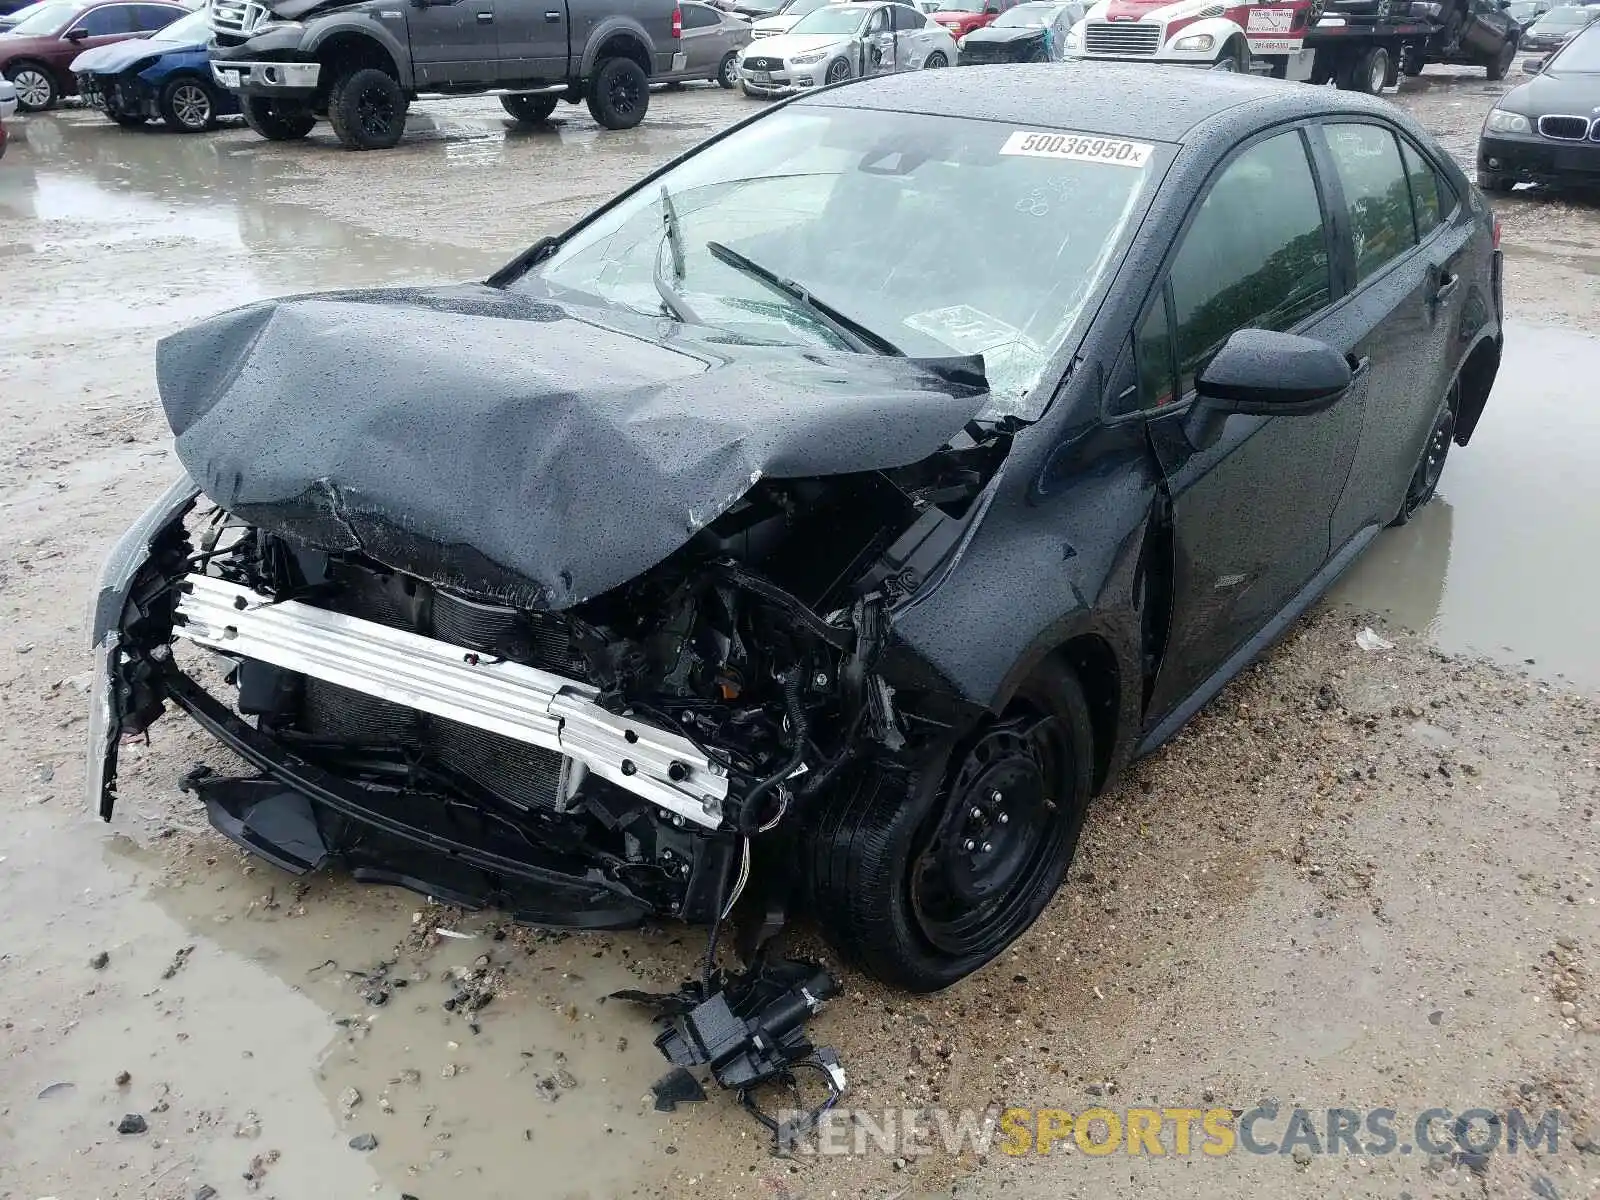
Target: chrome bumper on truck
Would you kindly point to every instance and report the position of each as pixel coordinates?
(298, 814)
(285, 77)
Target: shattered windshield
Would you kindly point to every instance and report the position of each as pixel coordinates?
(875, 231)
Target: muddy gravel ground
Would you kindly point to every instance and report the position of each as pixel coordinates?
(1360, 879)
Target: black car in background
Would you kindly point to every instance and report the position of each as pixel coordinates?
(729, 545)
(1547, 130)
(1554, 29)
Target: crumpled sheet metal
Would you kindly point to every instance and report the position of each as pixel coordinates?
(513, 447)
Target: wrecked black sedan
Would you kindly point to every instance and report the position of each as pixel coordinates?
(738, 545)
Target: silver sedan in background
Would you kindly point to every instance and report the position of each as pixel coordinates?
(711, 42)
(845, 41)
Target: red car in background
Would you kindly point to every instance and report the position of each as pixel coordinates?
(35, 55)
(961, 17)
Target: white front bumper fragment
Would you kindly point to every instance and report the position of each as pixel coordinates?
(516, 701)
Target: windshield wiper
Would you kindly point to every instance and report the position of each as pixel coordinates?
(675, 303)
(850, 330)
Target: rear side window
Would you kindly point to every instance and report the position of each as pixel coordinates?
(1376, 192)
(1256, 254)
(907, 18)
(100, 22)
(1432, 197)
(149, 17)
(698, 16)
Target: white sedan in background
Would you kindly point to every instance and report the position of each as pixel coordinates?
(844, 41)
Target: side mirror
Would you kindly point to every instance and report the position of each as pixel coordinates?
(77, 35)
(1261, 373)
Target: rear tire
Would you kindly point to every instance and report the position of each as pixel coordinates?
(530, 109)
(1425, 479)
(37, 89)
(619, 94)
(893, 884)
(728, 70)
(935, 60)
(276, 120)
(188, 104)
(1366, 72)
(367, 109)
(1502, 63)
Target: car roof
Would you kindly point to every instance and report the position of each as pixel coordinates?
(1126, 99)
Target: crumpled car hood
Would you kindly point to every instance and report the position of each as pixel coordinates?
(118, 56)
(536, 452)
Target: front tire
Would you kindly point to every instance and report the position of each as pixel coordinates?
(189, 105)
(276, 120)
(838, 71)
(1367, 72)
(529, 109)
(37, 90)
(922, 877)
(367, 109)
(619, 94)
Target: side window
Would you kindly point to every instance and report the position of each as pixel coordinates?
(1376, 192)
(907, 18)
(1255, 256)
(113, 18)
(878, 22)
(1152, 351)
(147, 18)
(698, 16)
(1432, 197)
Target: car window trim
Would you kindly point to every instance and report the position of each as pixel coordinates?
(1337, 286)
(86, 13)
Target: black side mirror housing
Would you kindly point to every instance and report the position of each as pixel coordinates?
(77, 35)
(1261, 373)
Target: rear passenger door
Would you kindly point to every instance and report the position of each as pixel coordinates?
(1401, 258)
(1250, 511)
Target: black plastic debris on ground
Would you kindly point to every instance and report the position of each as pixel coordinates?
(748, 1029)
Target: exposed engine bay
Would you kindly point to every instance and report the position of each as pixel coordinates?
(760, 650)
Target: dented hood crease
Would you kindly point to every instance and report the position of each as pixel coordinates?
(534, 451)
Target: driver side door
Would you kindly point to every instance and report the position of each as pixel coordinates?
(455, 42)
(878, 43)
(1251, 510)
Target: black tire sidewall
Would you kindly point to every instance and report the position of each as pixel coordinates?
(539, 107)
(861, 850)
(599, 93)
(727, 70)
(168, 113)
(343, 99)
(275, 127)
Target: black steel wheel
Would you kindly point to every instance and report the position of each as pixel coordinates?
(619, 94)
(367, 109)
(922, 877)
(1425, 479)
(188, 104)
(530, 109)
(277, 120)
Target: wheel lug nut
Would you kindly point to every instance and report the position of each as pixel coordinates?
(996, 797)
(1003, 818)
(969, 844)
(988, 846)
(977, 813)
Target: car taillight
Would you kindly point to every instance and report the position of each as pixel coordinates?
(677, 22)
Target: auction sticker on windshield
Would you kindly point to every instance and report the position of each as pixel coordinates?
(1079, 147)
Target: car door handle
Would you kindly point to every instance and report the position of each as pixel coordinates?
(553, 17)
(1444, 286)
(486, 18)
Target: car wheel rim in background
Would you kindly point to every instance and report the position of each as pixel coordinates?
(192, 105)
(730, 73)
(33, 88)
(837, 72)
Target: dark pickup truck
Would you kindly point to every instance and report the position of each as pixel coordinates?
(361, 64)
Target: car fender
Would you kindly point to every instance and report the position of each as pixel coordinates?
(611, 27)
(320, 30)
(179, 62)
